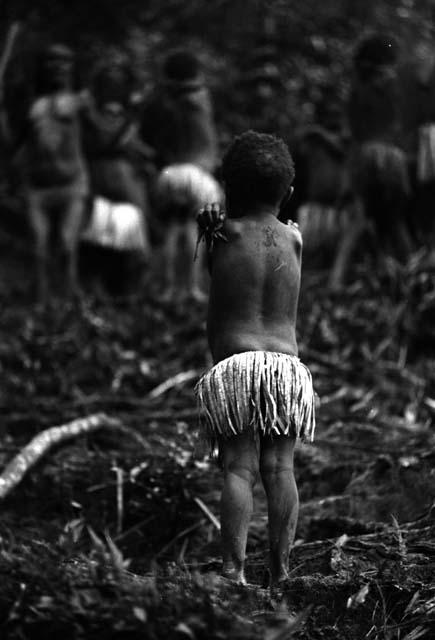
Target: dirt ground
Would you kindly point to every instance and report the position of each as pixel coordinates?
(111, 536)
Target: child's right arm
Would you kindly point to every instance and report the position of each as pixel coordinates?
(210, 221)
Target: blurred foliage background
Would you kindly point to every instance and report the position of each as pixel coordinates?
(271, 64)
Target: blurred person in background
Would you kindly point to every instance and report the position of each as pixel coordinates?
(178, 123)
(417, 84)
(52, 166)
(380, 177)
(116, 244)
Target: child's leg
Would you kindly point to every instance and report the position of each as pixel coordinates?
(240, 463)
(276, 469)
(347, 244)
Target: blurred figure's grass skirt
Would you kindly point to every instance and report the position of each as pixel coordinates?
(182, 189)
(382, 163)
(322, 225)
(270, 393)
(116, 226)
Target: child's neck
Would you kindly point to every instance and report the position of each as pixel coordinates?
(253, 211)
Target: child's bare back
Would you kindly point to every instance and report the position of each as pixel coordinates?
(254, 287)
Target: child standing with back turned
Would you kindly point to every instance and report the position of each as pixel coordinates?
(258, 397)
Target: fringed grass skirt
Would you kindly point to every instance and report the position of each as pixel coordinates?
(270, 393)
(322, 226)
(116, 226)
(378, 163)
(182, 189)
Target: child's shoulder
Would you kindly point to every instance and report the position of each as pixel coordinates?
(290, 236)
(293, 230)
(289, 230)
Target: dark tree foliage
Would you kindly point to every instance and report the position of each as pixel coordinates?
(272, 64)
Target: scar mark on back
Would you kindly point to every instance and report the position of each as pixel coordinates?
(269, 237)
(280, 265)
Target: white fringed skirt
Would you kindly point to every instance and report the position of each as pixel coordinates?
(183, 189)
(116, 226)
(270, 393)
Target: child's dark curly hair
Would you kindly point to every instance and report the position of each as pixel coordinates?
(257, 167)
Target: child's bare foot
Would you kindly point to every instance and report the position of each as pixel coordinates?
(274, 580)
(279, 578)
(278, 570)
(235, 575)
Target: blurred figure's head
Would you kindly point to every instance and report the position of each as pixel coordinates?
(266, 81)
(262, 75)
(113, 80)
(257, 169)
(56, 67)
(182, 68)
(374, 51)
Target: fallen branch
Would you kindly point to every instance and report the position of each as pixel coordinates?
(46, 440)
(174, 381)
(208, 513)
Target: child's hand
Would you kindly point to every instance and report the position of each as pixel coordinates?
(210, 221)
(210, 217)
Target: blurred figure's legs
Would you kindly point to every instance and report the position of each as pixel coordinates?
(71, 224)
(40, 228)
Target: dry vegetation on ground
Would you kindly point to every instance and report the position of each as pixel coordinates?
(111, 537)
